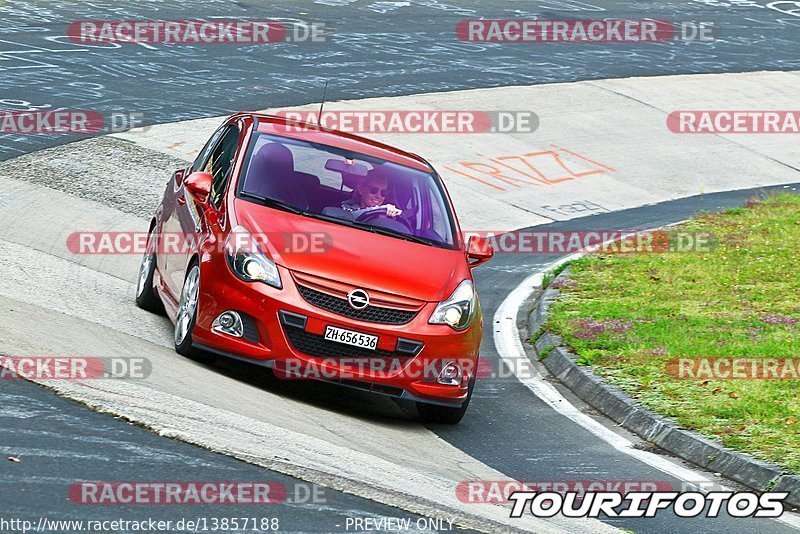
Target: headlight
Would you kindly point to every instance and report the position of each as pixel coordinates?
(247, 261)
(458, 310)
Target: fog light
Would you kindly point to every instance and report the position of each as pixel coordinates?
(450, 375)
(229, 322)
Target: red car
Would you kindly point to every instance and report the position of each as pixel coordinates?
(322, 255)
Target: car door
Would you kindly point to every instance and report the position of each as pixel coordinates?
(192, 213)
(174, 252)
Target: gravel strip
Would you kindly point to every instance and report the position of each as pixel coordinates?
(117, 173)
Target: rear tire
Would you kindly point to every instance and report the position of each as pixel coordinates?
(445, 415)
(146, 296)
(187, 317)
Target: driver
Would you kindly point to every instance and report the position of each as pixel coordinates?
(369, 195)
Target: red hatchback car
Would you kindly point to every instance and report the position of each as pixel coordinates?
(322, 255)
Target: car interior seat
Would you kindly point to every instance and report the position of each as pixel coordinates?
(272, 175)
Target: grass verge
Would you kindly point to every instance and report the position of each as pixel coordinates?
(632, 316)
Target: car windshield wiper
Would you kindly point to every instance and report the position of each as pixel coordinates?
(329, 218)
(394, 233)
(271, 202)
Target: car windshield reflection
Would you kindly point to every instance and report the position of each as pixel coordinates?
(347, 188)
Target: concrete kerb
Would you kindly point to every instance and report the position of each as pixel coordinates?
(624, 410)
(255, 443)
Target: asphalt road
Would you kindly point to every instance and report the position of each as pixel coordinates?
(507, 428)
(59, 443)
(522, 436)
(375, 48)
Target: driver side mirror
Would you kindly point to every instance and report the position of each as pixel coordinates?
(479, 250)
(199, 185)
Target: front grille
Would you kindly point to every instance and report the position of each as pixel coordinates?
(340, 306)
(319, 347)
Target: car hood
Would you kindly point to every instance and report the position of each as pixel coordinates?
(354, 256)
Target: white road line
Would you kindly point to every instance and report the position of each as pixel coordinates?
(509, 346)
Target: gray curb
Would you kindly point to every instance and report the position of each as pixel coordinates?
(621, 408)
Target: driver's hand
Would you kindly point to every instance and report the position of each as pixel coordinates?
(392, 210)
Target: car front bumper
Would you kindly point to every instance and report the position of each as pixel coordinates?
(285, 332)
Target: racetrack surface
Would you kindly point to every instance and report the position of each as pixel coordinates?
(85, 301)
(59, 442)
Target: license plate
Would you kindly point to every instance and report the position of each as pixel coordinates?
(348, 337)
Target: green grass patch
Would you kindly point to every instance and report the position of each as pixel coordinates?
(628, 315)
(535, 337)
(545, 352)
(560, 269)
(547, 279)
(549, 276)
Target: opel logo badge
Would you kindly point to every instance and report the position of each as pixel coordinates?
(358, 299)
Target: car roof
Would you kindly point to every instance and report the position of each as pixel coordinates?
(295, 129)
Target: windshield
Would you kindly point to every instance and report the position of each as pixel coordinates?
(347, 188)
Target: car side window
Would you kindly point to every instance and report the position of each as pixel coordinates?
(220, 162)
(202, 157)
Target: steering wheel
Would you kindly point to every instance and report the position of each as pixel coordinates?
(380, 213)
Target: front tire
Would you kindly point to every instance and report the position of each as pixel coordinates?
(445, 415)
(187, 317)
(146, 296)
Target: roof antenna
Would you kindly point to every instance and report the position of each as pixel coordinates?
(321, 104)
